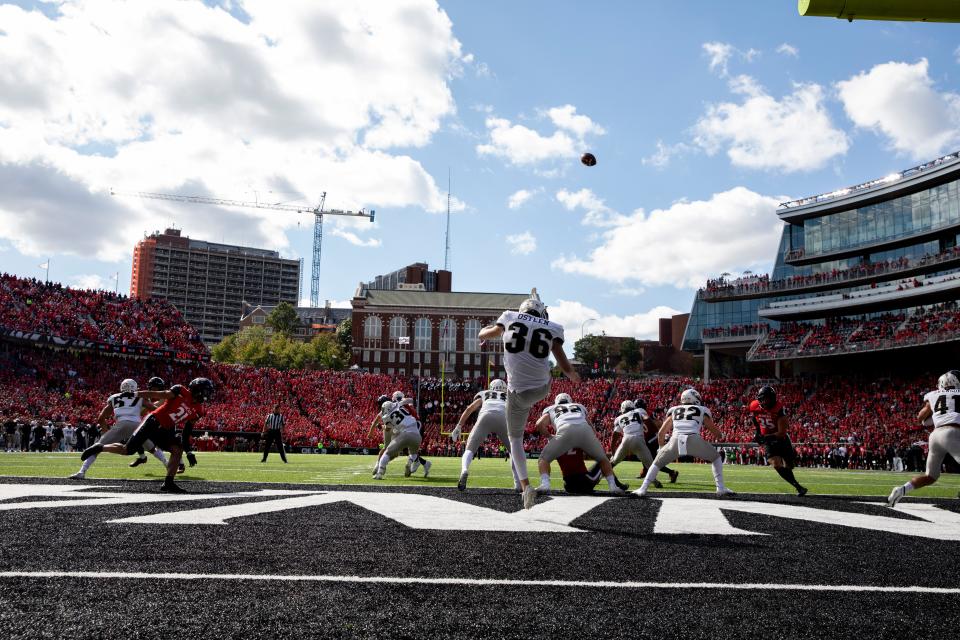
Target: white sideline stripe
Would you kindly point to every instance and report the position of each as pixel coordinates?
(479, 582)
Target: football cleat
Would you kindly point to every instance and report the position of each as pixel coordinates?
(378, 475)
(406, 470)
(94, 450)
(723, 493)
(529, 497)
(543, 490)
(138, 462)
(79, 475)
(426, 468)
(623, 485)
(517, 488)
(462, 482)
(171, 487)
(640, 493)
(895, 496)
(673, 476)
(802, 491)
(181, 468)
(414, 466)
(617, 491)
(658, 484)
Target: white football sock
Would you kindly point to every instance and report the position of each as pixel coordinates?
(908, 487)
(384, 461)
(518, 458)
(717, 473)
(466, 460)
(651, 474)
(612, 482)
(545, 480)
(158, 454)
(87, 464)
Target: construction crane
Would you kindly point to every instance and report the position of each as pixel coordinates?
(318, 213)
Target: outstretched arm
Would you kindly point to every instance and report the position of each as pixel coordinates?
(469, 411)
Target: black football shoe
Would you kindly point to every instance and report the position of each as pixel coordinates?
(171, 487)
(93, 450)
(138, 462)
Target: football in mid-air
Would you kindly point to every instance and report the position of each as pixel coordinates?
(588, 159)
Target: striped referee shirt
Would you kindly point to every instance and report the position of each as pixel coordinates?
(274, 422)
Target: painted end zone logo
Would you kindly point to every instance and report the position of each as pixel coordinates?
(433, 513)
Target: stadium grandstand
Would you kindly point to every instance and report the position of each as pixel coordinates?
(836, 420)
(865, 278)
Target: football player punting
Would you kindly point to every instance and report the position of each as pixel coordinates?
(127, 410)
(181, 407)
(685, 422)
(572, 432)
(630, 426)
(529, 338)
(770, 421)
(492, 419)
(405, 434)
(943, 408)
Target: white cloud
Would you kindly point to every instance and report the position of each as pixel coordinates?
(182, 97)
(572, 315)
(899, 101)
(665, 154)
(522, 244)
(521, 145)
(597, 214)
(566, 117)
(92, 281)
(354, 239)
(520, 197)
(686, 243)
(791, 134)
(719, 54)
(788, 50)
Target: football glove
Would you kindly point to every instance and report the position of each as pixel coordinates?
(455, 434)
(192, 459)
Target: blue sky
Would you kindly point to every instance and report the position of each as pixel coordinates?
(702, 115)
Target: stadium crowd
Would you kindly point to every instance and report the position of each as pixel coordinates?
(49, 398)
(51, 309)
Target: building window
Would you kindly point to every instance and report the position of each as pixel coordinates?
(372, 331)
(398, 329)
(471, 339)
(390, 371)
(416, 357)
(402, 356)
(448, 335)
(376, 356)
(259, 319)
(376, 369)
(426, 373)
(423, 338)
(426, 358)
(366, 356)
(390, 356)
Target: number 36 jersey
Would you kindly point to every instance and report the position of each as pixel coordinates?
(688, 418)
(527, 341)
(946, 407)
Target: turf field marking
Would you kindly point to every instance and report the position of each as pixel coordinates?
(480, 582)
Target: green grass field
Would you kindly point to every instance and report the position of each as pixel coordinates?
(489, 473)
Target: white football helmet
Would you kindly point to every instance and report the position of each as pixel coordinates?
(128, 386)
(498, 385)
(627, 405)
(562, 398)
(690, 396)
(386, 407)
(397, 396)
(948, 381)
(533, 306)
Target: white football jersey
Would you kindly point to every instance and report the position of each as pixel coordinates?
(630, 423)
(399, 419)
(126, 407)
(527, 342)
(946, 407)
(563, 415)
(493, 401)
(688, 418)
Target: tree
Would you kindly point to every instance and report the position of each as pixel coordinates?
(345, 335)
(630, 353)
(283, 319)
(588, 350)
(326, 352)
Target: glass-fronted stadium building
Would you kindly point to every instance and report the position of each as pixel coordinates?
(861, 270)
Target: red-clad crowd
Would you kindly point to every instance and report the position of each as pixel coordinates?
(336, 409)
(842, 335)
(99, 316)
(723, 287)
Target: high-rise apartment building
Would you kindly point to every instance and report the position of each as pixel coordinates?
(209, 282)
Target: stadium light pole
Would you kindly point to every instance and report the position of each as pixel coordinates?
(584, 323)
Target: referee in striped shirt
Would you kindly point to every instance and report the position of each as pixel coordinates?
(271, 433)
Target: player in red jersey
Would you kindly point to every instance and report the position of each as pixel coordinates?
(769, 419)
(181, 408)
(579, 480)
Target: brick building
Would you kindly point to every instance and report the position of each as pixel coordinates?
(410, 332)
(415, 276)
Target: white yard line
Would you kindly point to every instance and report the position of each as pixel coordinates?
(480, 582)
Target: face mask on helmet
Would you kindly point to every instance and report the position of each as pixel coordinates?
(767, 397)
(690, 396)
(397, 396)
(128, 386)
(626, 405)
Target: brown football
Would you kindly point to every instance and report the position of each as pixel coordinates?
(588, 159)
